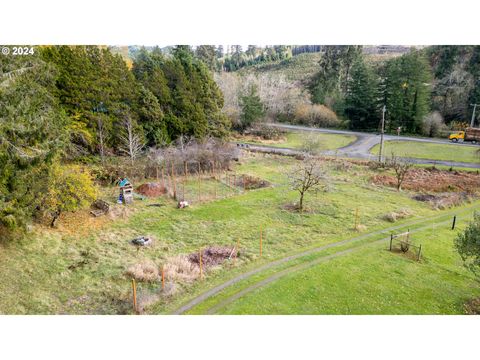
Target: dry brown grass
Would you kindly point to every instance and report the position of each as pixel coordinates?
(397, 215)
(434, 180)
(144, 271)
(180, 268)
(445, 200)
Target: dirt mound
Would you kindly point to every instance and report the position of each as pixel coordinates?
(214, 255)
(444, 200)
(251, 182)
(434, 180)
(151, 189)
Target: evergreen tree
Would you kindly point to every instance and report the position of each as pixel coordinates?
(332, 78)
(207, 54)
(90, 81)
(361, 101)
(252, 108)
(407, 91)
(32, 135)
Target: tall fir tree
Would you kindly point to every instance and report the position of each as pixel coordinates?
(407, 91)
(361, 99)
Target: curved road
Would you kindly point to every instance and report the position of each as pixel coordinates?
(360, 148)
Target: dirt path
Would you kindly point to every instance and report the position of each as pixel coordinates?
(217, 289)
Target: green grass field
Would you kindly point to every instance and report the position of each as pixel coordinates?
(447, 152)
(296, 140)
(80, 267)
(378, 282)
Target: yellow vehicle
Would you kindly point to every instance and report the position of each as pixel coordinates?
(470, 134)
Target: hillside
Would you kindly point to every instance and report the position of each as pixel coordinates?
(297, 68)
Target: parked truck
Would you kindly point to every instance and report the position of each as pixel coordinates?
(470, 134)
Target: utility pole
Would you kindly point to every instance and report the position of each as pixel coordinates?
(381, 133)
(473, 114)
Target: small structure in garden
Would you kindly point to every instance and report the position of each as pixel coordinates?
(126, 192)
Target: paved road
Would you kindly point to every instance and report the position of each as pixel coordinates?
(363, 135)
(353, 155)
(360, 148)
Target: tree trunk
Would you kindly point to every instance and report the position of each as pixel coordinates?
(300, 205)
(56, 215)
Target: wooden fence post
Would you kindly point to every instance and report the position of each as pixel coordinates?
(174, 183)
(134, 288)
(199, 195)
(163, 277)
(419, 252)
(454, 221)
(391, 240)
(163, 177)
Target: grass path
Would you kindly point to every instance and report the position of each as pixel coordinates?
(269, 266)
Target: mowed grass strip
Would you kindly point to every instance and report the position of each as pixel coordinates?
(420, 150)
(229, 294)
(372, 280)
(296, 140)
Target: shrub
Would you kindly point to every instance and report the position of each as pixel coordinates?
(67, 188)
(467, 244)
(316, 115)
(433, 125)
(267, 132)
(311, 143)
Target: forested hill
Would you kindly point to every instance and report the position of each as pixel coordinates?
(426, 90)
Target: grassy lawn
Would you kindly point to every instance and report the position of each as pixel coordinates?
(447, 152)
(295, 140)
(80, 267)
(372, 280)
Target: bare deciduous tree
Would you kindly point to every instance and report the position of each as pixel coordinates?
(132, 144)
(401, 166)
(307, 176)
